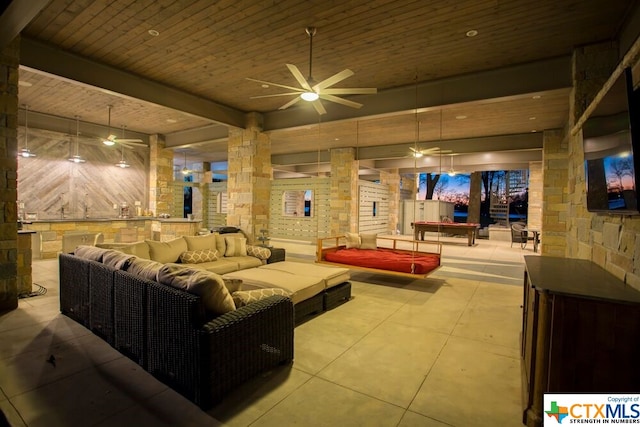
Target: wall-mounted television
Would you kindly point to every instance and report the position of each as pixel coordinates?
(611, 138)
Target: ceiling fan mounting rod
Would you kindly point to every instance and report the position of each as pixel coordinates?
(311, 31)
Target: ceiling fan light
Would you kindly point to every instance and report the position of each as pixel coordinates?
(108, 142)
(417, 154)
(452, 173)
(185, 171)
(310, 96)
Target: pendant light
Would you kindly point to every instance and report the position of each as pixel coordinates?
(76, 158)
(185, 171)
(25, 152)
(452, 171)
(109, 140)
(123, 163)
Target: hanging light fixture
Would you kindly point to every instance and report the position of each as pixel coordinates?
(185, 171)
(123, 163)
(25, 152)
(109, 140)
(76, 158)
(452, 171)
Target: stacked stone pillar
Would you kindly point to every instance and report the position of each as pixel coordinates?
(250, 175)
(9, 59)
(344, 191)
(392, 180)
(160, 176)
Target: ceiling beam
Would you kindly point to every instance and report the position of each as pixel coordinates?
(67, 65)
(532, 77)
(16, 16)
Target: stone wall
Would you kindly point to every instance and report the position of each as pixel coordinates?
(611, 241)
(9, 57)
(534, 214)
(555, 197)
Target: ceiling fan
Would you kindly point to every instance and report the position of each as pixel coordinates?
(433, 151)
(313, 92)
(112, 139)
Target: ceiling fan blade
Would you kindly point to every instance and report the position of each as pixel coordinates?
(336, 78)
(274, 84)
(290, 103)
(350, 91)
(342, 101)
(414, 150)
(275, 94)
(319, 107)
(299, 77)
(128, 140)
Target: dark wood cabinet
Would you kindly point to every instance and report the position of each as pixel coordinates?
(580, 332)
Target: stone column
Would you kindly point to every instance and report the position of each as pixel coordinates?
(555, 176)
(534, 216)
(475, 195)
(344, 191)
(9, 59)
(392, 180)
(160, 176)
(250, 174)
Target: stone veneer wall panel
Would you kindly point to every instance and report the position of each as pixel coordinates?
(9, 60)
(344, 191)
(555, 159)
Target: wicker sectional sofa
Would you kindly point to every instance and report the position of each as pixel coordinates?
(172, 333)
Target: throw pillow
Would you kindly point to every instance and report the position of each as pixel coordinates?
(242, 298)
(236, 246)
(207, 285)
(353, 240)
(90, 252)
(200, 243)
(116, 259)
(197, 257)
(259, 252)
(232, 284)
(168, 251)
(369, 241)
(145, 268)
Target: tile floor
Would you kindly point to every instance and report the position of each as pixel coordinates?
(443, 351)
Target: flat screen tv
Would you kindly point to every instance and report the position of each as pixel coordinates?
(611, 138)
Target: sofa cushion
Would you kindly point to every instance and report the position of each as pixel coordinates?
(221, 266)
(207, 285)
(368, 241)
(235, 246)
(92, 253)
(200, 243)
(116, 259)
(242, 298)
(221, 246)
(299, 287)
(144, 268)
(353, 240)
(244, 262)
(139, 249)
(259, 252)
(198, 256)
(168, 251)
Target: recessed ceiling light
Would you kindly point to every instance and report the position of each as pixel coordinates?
(336, 139)
(172, 121)
(265, 86)
(461, 117)
(536, 97)
(472, 33)
(24, 83)
(532, 118)
(533, 130)
(154, 33)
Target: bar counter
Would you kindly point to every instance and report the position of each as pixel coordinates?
(63, 235)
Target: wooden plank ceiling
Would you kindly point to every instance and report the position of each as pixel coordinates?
(208, 49)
